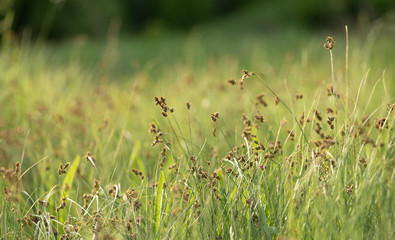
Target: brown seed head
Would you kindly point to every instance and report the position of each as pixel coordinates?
(276, 100)
(90, 158)
(329, 43)
(214, 116)
(232, 82)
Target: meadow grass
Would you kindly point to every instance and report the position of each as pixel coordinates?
(190, 146)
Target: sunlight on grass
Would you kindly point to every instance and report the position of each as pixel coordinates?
(190, 146)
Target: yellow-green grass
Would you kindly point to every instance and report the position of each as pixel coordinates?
(57, 107)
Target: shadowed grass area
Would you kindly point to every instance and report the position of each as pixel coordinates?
(236, 161)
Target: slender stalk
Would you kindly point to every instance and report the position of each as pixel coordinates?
(334, 100)
(346, 70)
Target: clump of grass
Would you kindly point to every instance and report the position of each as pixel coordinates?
(297, 167)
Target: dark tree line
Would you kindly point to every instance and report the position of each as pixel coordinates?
(60, 18)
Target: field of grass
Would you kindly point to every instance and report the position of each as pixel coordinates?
(272, 152)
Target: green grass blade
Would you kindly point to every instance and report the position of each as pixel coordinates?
(158, 201)
(68, 180)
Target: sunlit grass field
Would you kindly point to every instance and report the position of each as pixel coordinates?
(199, 136)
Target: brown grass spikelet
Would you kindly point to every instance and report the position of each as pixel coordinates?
(262, 167)
(43, 203)
(390, 107)
(214, 116)
(96, 186)
(131, 194)
(163, 156)
(137, 172)
(10, 174)
(363, 162)
(259, 117)
(330, 92)
(232, 82)
(298, 96)
(329, 43)
(330, 122)
(301, 118)
(291, 135)
(17, 167)
(62, 205)
(161, 101)
(317, 115)
(246, 74)
(163, 153)
(10, 195)
(90, 158)
(153, 128)
(381, 123)
(62, 169)
(276, 100)
(259, 100)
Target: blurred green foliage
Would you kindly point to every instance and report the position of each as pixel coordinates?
(60, 18)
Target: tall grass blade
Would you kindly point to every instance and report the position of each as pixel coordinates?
(68, 180)
(158, 201)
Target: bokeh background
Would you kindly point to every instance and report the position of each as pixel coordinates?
(57, 19)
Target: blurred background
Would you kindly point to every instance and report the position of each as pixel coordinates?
(58, 19)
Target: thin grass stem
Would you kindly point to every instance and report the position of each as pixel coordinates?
(334, 100)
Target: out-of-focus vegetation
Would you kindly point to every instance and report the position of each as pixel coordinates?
(60, 18)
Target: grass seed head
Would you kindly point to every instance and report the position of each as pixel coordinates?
(246, 74)
(214, 116)
(259, 100)
(276, 100)
(17, 167)
(232, 82)
(90, 158)
(329, 43)
(298, 96)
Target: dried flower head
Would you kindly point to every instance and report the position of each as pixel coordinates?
(329, 43)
